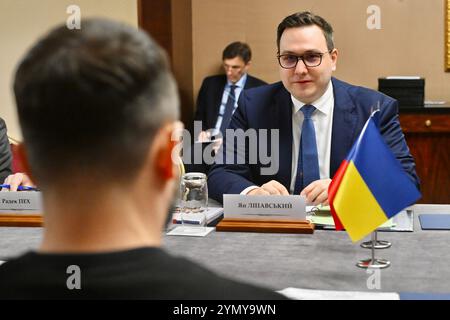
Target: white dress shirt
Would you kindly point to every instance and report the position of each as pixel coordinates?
(323, 126)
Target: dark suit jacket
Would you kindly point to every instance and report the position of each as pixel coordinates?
(270, 107)
(5, 153)
(210, 96)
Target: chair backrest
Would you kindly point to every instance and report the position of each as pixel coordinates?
(17, 165)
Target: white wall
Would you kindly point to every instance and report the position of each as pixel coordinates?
(23, 21)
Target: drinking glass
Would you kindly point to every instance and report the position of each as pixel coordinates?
(194, 199)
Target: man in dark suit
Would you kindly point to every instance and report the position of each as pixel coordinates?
(216, 103)
(6, 158)
(318, 118)
(215, 91)
(5, 152)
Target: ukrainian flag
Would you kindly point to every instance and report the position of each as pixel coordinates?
(370, 186)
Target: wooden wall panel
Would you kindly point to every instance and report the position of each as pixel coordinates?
(155, 17)
(170, 23)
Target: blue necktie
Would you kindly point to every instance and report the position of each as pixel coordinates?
(229, 108)
(308, 161)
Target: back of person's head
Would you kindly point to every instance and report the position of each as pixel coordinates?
(304, 19)
(90, 101)
(237, 49)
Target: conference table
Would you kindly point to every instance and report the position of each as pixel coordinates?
(325, 260)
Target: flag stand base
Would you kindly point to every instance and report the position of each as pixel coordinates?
(373, 263)
(377, 264)
(378, 244)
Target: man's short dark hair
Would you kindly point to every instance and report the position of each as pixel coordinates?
(237, 49)
(91, 100)
(303, 19)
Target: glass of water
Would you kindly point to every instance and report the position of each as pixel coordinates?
(194, 199)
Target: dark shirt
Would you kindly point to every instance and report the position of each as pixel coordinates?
(142, 273)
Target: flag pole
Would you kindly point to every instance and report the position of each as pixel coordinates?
(373, 263)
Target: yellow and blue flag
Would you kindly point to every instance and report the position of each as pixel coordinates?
(370, 186)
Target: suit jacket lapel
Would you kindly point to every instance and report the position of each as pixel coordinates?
(283, 114)
(344, 123)
(247, 84)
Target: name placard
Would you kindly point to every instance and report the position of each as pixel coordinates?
(270, 207)
(21, 200)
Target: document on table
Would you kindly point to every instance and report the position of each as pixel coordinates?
(327, 221)
(189, 231)
(435, 221)
(321, 216)
(211, 214)
(311, 294)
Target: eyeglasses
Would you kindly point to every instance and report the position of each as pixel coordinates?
(289, 61)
